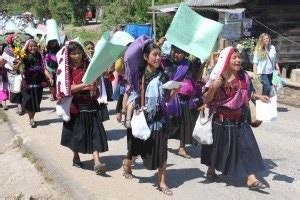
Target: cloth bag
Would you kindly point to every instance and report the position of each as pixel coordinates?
(254, 122)
(203, 128)
(63, 108)
(139, 126)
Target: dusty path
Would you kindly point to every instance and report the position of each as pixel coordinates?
(279, 143)
(19, 177)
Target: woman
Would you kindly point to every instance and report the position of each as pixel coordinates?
(51, 65)
(234, 151)
(104, 114)
(84, 133)
(154, 150)
(265, 62)
(14, 75)
(34, 75)
(3, 84)
(183, 108)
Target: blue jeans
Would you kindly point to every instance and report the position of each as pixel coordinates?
(266, 80)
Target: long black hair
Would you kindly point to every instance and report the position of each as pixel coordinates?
(146, 51)
(74, 46)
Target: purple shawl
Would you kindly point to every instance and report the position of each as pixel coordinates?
(134, 60)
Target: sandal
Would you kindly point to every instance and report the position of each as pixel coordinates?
(77, 163)
(32, 124)
(100, 168)
(127, 173)
(213, 177)
(166, 191)
(257, 185)
(187, 156)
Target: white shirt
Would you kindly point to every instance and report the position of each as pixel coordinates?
(266, 65)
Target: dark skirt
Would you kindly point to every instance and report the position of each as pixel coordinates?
(104, 114)
(182, 127)
(85, 133)
(119, 104)
(15, 97)
(108, 88)
(154, 151)
(31, 99)
(234, 151)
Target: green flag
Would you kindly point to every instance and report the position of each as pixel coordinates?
(107, 51)
(193, 33)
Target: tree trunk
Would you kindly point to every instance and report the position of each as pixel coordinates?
(78, 16)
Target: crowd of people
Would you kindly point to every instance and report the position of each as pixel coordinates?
(169, 113)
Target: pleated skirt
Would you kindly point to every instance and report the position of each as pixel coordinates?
(154, 151)
(182, 127)
(85, 133)
(234, 151)
(31, 99)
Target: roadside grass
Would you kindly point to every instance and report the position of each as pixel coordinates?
(38, 165)
(3, 116)
(83, 34)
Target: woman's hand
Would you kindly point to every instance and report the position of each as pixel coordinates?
(218, 82)
(263, 98)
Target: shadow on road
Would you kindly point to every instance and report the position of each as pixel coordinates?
(115, 134)
(47, 108)
(193, 151)
(113, 162)
(282, 109)
(48, 121)
(270, 164)
(177, 177)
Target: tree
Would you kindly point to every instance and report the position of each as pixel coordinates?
(78, 14)
(130, 11)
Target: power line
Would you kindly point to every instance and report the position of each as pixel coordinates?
(275, 31)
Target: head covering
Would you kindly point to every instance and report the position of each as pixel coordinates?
(166, 48)
(52, 31)
(222, 64)
(10, 38)
(134, 59)
(27, 44)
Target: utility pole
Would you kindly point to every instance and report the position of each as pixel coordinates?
(153, 22)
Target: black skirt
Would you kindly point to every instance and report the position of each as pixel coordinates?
(154, 151)
(104, 114)
(182, 127)
(31, 99)
(234, 151)
(85, 133)
(15, 97)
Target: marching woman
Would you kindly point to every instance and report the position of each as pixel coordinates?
(104, 114)
(183, 108)
(3, 84)
(51, 65)
(234, 151)
(14, 75)
(84, 132)
(153, 150)
(34, 75)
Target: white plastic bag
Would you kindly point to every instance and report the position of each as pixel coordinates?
(17, 83)
(139, 126)
(63, 108)
(203, 128)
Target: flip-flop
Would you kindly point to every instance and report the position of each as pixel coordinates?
(100, 168)
(126, 173)
(77, 163)
(257, 185)
(166, 191)
(213, 177)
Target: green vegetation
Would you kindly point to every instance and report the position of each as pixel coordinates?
(83, 34)
(3, 116)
